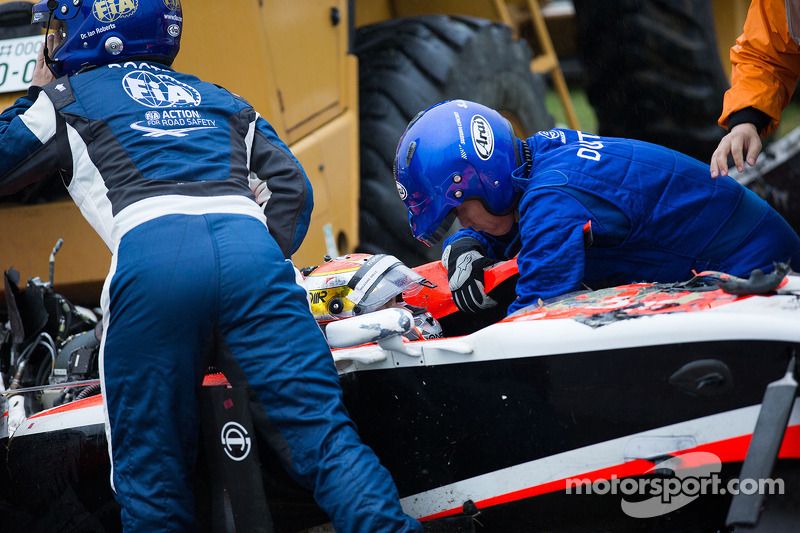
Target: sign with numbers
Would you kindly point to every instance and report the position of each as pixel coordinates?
(17, 61)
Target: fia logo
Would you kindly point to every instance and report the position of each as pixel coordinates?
(159, 90)
(401, 190)
(482, 137)
(111, 10)
(174, 30)
(173, 4)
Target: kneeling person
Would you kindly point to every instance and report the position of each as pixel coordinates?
(576, 208)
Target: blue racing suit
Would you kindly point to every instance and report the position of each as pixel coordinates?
(158, 162)
(604, 211)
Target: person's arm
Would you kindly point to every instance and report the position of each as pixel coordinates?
(766, 68)
(28, 151)
(466, 254)
(552, 259)
(497, 248)
(27, 134)
(281, 187)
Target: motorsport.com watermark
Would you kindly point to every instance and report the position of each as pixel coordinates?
(692, 475)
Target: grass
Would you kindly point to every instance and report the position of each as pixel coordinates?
(583, 110)
(588, 120)
(789, 120)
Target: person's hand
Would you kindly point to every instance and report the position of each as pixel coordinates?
(41, 72)
(742, 138)
(260, 190)
(465, 264)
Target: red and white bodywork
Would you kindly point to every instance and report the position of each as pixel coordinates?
(595, 385)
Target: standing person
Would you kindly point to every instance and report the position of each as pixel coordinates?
(766, 67)
(158, 162)
(576, 208)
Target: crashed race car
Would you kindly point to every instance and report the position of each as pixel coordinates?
(626, 408)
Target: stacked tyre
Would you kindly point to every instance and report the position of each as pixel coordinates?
(653, 72)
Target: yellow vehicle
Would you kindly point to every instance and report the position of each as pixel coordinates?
(338, 80)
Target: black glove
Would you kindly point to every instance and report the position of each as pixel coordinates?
(465, 263)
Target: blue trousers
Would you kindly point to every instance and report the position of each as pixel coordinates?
(178, 282)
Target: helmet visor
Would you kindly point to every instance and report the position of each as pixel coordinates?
(380, 280)
(40, 15)
(436, 234)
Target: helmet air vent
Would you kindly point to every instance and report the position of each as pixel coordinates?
(114, 45)
(410, 153)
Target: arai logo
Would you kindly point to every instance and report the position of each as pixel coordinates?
(482, 137)
(111, 10)
(549, 134)
(159, 90)
(401, 191)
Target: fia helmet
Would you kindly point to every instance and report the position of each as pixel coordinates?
(357, 284)
(99, 32)
(454, 151)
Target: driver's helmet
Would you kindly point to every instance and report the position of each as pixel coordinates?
(99, 32)
(357, 284)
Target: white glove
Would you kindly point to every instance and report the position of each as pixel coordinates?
(300, 280)
(260, 190)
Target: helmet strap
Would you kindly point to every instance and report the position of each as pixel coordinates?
(527, 157)
(51, 5)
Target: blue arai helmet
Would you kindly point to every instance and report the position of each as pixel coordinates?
(452, 152)
(99, 32)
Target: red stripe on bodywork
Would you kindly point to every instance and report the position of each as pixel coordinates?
(636, 299)
(211, 380)
(91, 401)
(731, 450)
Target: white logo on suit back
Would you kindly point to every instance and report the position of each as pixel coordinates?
(159, 91)
(173, 99)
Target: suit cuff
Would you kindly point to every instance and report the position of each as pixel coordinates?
(749, 115)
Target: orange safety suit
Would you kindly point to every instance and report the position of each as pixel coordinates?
(766, 67)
